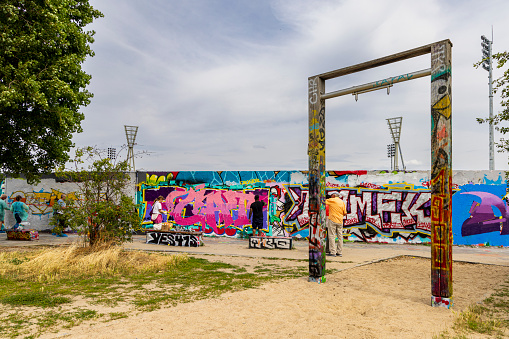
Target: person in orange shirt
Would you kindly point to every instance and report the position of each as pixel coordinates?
(337, 211)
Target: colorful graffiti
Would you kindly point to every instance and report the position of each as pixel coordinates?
(441, 174)
(374, 215)
(217, 203)
(484, 218)
(41, 202)
(316, 180)
(25, 235)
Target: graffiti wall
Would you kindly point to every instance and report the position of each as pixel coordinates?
(41, 197)
(382, 207)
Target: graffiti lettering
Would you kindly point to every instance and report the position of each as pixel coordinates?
(313, 91)
(270, 242)
(174, 239)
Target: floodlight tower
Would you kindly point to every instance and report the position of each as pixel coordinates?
(395, 128)
(130, 133)
(112, 153)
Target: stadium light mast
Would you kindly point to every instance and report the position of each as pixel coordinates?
(395, 128)
(487, 65)
(130, 133)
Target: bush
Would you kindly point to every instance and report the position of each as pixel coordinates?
(102, 211)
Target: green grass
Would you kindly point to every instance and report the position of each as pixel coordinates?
(490, 318)
(33, 298)
(185, 281)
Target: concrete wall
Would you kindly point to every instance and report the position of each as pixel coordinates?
(40, 198)
(382, 207)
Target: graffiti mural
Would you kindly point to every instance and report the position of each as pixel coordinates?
(382, 207)
(484, 218)
(216, 203)
(40, 203)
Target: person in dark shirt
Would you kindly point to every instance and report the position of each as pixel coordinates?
(256, 211)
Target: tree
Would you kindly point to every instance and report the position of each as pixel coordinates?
(500, 84)
(42, 86)
(102, 211)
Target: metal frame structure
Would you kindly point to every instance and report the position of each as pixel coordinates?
(441, 159)
(130, 133)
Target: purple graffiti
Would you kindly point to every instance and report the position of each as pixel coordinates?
(482, 218)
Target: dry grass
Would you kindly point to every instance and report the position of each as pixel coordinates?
(52, 264)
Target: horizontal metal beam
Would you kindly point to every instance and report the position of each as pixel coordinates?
(377, 84)
(412, 53)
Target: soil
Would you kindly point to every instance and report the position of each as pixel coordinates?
(386, 299)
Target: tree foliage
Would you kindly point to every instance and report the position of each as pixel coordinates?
(42, 85)
(102, 211)
(501, 85)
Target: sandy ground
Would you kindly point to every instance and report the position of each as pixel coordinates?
(388, 299)
(379, 291)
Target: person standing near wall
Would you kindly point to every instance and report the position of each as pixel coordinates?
(157, 210)
(256, 211)
(337, 211)
(3, 208)
(20, 211)
(61, 205)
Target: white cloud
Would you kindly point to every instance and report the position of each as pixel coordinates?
(223, 85)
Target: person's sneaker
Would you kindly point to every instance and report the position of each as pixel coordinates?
(339, 255)
(331, 255)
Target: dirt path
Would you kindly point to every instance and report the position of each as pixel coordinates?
(382, 300)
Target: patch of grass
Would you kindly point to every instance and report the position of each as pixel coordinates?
(477, 319)
(31, 298)
(52, 277)
(116, 315)
(491, 318)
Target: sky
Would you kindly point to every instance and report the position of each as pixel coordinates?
(222, 85)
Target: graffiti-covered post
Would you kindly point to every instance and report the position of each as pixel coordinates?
(316, 179)
(441, 174)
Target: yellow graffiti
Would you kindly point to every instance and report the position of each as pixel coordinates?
(251, 181)
(154, 180)
(41, 202)
(443, 106)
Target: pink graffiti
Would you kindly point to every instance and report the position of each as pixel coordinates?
(212, 209)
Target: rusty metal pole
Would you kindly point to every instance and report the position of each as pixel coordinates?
(441, 175)
(316, 179)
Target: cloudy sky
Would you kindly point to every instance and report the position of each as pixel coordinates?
(222, 84)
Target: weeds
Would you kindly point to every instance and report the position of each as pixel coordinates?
(489, 319)
(40, 286)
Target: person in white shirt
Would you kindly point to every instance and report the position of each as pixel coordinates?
(157, 210)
